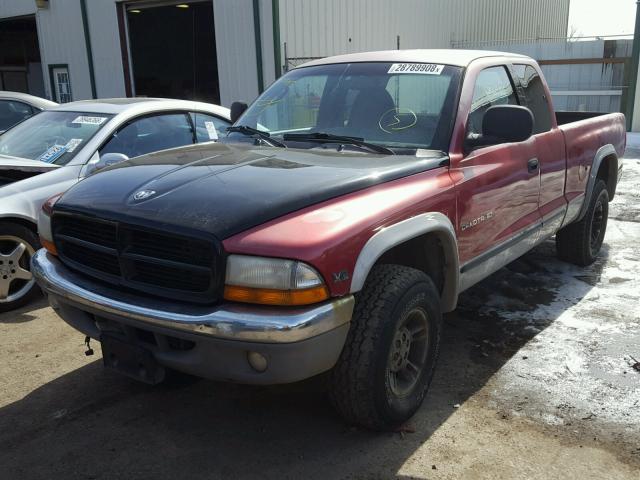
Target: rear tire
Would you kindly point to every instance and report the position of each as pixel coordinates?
(17, 286)
(390, 354)
(580, 242)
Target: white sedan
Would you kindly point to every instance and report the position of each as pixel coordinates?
(49, 152)
(16, 107)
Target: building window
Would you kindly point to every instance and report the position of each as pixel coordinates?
(60, 83)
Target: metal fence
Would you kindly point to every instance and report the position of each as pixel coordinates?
(588, 74)
(293, 62)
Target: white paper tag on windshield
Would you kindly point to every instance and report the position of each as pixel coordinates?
(211, 130)
(72, 144)
(420, 68)
(85, 120)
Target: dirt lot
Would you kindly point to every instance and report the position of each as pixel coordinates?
(535, 381)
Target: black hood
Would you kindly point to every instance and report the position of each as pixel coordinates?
(223, 189)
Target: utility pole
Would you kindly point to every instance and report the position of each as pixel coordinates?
(633, 74)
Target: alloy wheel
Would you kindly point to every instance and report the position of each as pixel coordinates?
(15, 278)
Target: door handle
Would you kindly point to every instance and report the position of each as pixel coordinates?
(532, 165)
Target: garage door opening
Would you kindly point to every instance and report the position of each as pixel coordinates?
(173, 50)
(20, 67)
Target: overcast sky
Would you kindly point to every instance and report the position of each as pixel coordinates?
(602, 17)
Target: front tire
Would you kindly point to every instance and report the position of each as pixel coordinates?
(390, 354)
(17, 245)
(580, 242)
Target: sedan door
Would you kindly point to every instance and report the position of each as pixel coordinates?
(209, 127)
(151, 133)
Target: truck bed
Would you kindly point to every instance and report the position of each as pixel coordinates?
(583, 138)
(569, 117)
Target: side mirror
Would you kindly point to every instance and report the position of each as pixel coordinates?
(105, 161)
(502, 124)
(237, 109)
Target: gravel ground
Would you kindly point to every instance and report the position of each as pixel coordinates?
(535, 381)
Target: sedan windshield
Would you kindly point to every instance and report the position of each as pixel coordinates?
(396, 105)
(52, 136)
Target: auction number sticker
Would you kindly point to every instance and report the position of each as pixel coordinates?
(420, 68)
(85, 120)
(211, 130)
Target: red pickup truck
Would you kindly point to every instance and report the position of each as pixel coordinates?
(341, 216)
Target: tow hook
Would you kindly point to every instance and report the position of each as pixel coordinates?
(87, 342)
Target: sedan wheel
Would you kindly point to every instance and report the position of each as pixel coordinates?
(17, 285)
(15, 277)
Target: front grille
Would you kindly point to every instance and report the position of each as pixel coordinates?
(90, 258)
(155, 262)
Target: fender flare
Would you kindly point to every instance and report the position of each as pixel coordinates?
(393, 235)
(601, 154)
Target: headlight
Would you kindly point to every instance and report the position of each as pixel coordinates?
(272, 281)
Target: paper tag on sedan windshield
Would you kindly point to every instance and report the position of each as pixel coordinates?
(211, 130)
(72, 144)
(52, 153)
(420, 68)
(85, 120)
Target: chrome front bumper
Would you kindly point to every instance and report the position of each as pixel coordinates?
(212, 342)
(229, 321)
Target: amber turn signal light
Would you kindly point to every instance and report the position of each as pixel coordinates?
(49, 246)
(267, 296)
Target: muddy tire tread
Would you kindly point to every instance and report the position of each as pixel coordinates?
(573, 241)
(351, 385)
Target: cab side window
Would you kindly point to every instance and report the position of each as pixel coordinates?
(209, 127)
(493, 87)
(150, 134)
(535, 97)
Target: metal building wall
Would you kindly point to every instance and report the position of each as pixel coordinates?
(310, 28)
(236, 50)
(330, 27)
(16, 8)
(105, 45)
(62, 41)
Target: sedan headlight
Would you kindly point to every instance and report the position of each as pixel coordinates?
(272, 281)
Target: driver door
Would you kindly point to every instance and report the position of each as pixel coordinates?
(498, 188)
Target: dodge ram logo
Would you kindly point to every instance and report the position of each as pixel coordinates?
(144, 194)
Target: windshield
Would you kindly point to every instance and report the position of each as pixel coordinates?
(397, 105)
(52, 136)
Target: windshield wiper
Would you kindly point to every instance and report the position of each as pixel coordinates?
(330, 138)
(254, 132)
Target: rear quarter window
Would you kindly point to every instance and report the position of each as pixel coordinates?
(534, 96)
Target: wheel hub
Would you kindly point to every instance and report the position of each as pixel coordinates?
(401, 348)
(7, 269)
(408, 353)
(596, 224)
